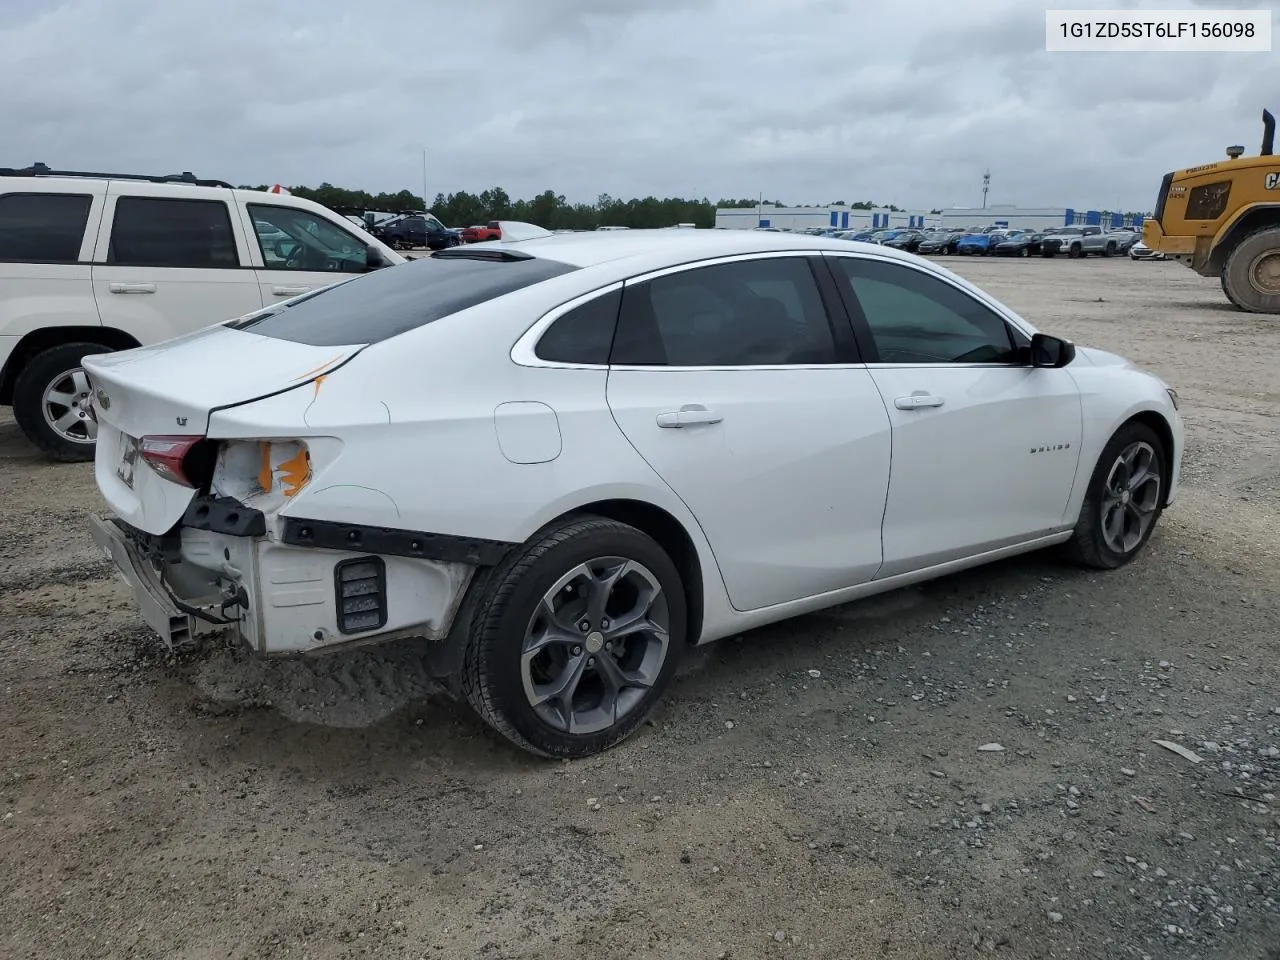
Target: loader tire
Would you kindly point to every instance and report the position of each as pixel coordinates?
(1251, 274)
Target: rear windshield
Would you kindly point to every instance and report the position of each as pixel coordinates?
(392, 300)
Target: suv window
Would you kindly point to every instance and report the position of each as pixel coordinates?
(390, 301)
(747, 313)
(583, 334)
(160, 232)
(43, 227)
(293, 239)
(915, 318)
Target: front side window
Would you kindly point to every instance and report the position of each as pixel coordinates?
(915, 318)
(43, 227)
(761, 312)
(294, 239)
(160, 232)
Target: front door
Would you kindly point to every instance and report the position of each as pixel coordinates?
(728, 380)
(985, 446)
(301, 251)
(167, 265)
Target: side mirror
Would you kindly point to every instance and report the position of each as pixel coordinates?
(373, 258)
(1047, 351)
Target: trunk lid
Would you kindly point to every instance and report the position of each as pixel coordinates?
(170, 390)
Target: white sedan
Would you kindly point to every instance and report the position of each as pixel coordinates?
(561, 461)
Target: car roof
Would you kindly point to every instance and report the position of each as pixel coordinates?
(674, 247)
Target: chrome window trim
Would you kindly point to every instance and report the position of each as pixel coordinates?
(524, 352)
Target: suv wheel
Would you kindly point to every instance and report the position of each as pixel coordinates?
(51, 402)
(575, 638)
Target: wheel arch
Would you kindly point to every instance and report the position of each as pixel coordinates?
(671, 535)
(46, 337)
(1256, 216)
(1160, 426)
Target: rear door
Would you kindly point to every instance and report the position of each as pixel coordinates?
(47, 234)
(733, 384)
(296, 251)
(171, 261)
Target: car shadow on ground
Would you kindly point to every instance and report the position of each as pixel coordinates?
(436, 729)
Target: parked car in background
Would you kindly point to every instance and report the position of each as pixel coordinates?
(524, 455)
(942, 242)
(1126, 238)
(1080, 241)
(1140, 251)
(907, 240)
(1022, 243)
(418, 230)
(479, 234)
(980, 244)
(91, 263)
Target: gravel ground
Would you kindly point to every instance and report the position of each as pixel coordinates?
(814, 789)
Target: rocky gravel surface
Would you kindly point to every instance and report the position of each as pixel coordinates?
(1026, 760)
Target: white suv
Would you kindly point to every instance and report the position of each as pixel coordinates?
(92, 263)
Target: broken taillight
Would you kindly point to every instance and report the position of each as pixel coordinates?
(166, 456)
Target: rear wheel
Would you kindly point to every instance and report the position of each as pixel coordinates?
(51, 402)
(575, 639)
(1110, 250)
(1251, 274)
(1123, 501)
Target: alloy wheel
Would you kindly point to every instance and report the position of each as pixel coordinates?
(1131, 497)
(66, 407)
(595, 645)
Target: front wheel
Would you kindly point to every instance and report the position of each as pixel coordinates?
(51, 402)
(1251, 274)
(1124, 499)
(575, 638)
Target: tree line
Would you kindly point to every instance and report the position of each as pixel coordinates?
(548, 209)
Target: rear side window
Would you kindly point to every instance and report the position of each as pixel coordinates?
(392, 300)
(43, 227)
(760, 312)
(158, 232)
(583, 334)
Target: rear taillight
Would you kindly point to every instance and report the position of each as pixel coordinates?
(167, 456)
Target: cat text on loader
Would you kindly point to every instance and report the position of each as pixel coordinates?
(1223, 220)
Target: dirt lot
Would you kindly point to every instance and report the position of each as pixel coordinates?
(216, 806)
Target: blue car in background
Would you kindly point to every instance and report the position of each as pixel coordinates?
(980, 244)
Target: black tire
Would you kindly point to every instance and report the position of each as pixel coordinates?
(1110, 250)
(491, 676)
(1075, 252)
(1237, 282)
(1024, 251)
(1088, 546)
(1226, 290)
(1048, 255)
(29, 395)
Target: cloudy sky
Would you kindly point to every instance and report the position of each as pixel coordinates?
(807, 101)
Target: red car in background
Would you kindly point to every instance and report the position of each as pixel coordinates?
(478, 234)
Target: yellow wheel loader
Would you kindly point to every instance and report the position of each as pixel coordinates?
(1223, 220)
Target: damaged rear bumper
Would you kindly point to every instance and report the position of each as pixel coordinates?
(281, 597)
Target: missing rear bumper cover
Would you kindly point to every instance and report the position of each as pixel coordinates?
(328, 535)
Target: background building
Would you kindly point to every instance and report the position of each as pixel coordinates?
(843, 218)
